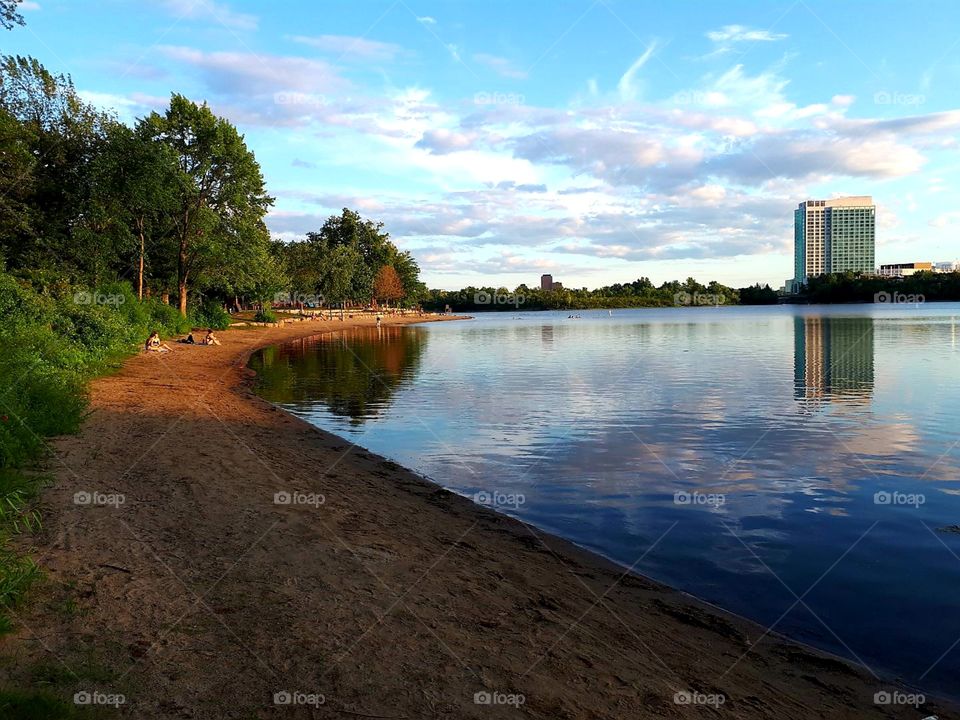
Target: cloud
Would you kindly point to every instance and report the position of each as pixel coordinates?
(241, 74)
(627, 86)
(426, 20)
(346, 46)
(29, 6)
(500, 65)
(210, 10)
(729, 34)
(442, 141)
(298, 163)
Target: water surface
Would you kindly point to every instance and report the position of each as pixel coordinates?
(790, 464)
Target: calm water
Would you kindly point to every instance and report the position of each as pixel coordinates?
(736, 453)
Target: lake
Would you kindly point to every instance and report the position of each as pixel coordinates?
(797, 465)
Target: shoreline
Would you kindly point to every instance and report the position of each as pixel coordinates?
(391, 598)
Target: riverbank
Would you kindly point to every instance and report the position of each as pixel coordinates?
(208, 553)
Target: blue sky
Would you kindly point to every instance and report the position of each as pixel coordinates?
(598, 140)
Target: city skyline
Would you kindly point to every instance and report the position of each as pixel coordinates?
(615, 143)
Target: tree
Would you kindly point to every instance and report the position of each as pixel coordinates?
(63, 135)
(9, 15)
(220, 191)
(135, 181)
(387, 285)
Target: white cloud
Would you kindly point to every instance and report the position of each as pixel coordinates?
(500, 65)
(742, 33)
(211, 10)
(347, 46)
(427, 20)
(627, 86)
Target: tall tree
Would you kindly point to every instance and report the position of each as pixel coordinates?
(134, 191)
(63, 134)
(221, 195)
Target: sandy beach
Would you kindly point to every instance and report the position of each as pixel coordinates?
(210, 556)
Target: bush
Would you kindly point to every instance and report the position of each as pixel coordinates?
(211, 315)
(265, 315)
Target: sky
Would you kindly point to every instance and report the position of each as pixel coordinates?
(597, 140)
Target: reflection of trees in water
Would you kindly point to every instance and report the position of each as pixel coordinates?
(353, 373)
(833, 359)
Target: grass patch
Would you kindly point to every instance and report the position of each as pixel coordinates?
(19, 705)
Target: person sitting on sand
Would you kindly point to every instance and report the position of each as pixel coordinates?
(210, 339)
(154, 344)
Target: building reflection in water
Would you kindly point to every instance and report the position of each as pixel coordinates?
(546, 335)
(833, 360)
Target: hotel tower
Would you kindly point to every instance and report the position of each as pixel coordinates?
(832, 236)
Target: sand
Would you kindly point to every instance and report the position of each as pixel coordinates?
(199, 596)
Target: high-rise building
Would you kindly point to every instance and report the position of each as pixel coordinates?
(546, 282)
(833, 236)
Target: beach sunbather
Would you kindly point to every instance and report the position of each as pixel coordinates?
(188, 340)
(154, 344)
(210, 339)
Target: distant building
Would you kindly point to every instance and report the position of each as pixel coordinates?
(901, 270)
(558, 286)
(546, 282)
(833, 236)
(952, 266)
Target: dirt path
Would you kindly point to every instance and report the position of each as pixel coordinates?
(200, 597)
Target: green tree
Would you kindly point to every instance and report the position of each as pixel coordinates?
(221, 195)
(134, 190)
(9, 15)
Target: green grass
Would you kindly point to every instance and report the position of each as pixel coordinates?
(17, 705)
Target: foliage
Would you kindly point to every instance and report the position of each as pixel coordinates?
(340, 262)
(639, 293)
(854, 287)
(265, 315)
(211, 315)
(221, 197)
(387, 285)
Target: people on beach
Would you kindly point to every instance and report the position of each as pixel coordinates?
(188, 340)
(154, 344)
(210, 339)
(379, 320)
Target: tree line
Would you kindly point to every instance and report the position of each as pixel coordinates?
(639, 293)
(175, 205)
